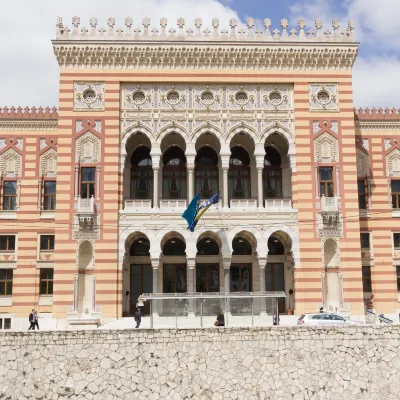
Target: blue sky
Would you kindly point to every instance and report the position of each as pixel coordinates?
(29, 72)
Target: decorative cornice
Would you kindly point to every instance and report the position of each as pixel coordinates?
(109, 49)
(378, 125)
(28, 125)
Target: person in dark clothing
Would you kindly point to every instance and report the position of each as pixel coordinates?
(138, 317)
(36, 319)
(220, 319)
(276, 319)
(32, 320)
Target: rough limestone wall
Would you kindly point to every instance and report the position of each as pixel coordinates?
(258, 363)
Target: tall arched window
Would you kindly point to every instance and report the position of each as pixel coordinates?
(174, 273)
(174, 174)
(275, 247)
(141, 174)
(140, 247)
(206, 172)
(272, 174)
(239, 174)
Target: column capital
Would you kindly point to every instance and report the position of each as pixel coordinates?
(155, 262)
(191, 263)
(262, 262)
(227, 262)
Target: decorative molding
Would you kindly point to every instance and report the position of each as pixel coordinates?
(28, 125)
(378, 125)
(393, 163)
(48, 163)
(323, 97)
(326, 149)
(89, 96)
(88, 148)
(363, 164)
(11, 163)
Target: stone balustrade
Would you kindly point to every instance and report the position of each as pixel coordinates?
(237, 31)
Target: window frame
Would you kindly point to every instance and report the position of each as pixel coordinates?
(362, 241)
(395, 195)
(48, 249)
(7, 281)
(9, 196)
(8, 249)
(48, 281)
(325, 182)
(87, 183)
(51, 196)
(396, 234)
(398, 277)
(362, 194)
(367, 279)
(207, 267)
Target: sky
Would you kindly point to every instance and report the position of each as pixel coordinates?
(29, 72)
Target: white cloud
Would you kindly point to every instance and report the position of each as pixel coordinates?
(29, 72)
(375, 83)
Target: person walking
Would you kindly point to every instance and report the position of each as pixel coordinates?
(220, 319)
(138, 317)
(276, 319)
(32, 320)
(140, 303)
(36, 319)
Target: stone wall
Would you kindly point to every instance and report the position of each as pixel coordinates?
(360, 362)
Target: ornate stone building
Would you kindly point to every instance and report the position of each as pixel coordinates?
(92, 196)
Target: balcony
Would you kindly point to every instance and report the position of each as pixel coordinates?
(243, 204)
(136, 204)
(172, 204)
(329, 204)
(329, 219)
(86, 211)
(278, 204)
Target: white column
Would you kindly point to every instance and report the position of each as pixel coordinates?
(98, 183)
(337, 182)
(316, 183)
(18, 194)
(76, 191)
(76, 292)
(191, 265)
(262, 262)
(227, 280)
(155, 187)
(39, 194)
(225, 179)
(390, 194)
(260, 187)
(155, 262)
(369, 193)
(94, 293)
(191, 194)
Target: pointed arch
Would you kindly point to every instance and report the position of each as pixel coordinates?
(207, 128)
(242, 128)
(172, 128)
(279, 129)
(250, 233)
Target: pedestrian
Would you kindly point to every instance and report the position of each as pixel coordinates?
(220, 319)
(32, 320)
(140, 303)
(276, 319)
(36, 319)
(321, 310)
(138, 317)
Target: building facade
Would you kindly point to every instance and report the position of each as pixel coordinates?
(92, 195)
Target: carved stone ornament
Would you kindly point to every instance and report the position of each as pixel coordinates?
(88, 149)
(323, 97)
(48, 163)
(82, 232)
(393, 163)
(11, 163)
(89, 96)
(363, 166)
(326, 149)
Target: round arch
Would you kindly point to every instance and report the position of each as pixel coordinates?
(171, 235)
(85, 256)
(242, 128)
(252, 234)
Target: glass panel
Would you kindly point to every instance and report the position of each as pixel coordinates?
(362, 201)
(398, 278)
(361, 186)
(396, 186)
(50, 187)
(10, 187)
(43, 287)
(279, 277)
(88, 174)
(213, 278)
(365, 241)
(396, 240)
(330, 189)
(3, 273)
(325, 174)
(147, 279)
(181, 278)
(201, 278)
(50, 287)
(2, 288)
(235, 279)
(136, 285)
(246, 279)
(3, 244)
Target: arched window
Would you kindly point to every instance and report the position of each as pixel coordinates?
(140, 247)
(206, 172)
(241, 247)
(239, 174)
(275, 247)
(207, 247)
(272, 174)
(174, 174)
(141, 174)
(174, 247)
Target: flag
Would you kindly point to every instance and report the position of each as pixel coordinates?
(191, 211)
(202, 209)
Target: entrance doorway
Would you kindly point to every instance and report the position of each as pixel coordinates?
(275, 281)
(141, 282)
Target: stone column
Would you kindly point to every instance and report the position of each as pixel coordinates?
(155, 262)
(76, 191)
(190, 154)
(155, 187)
(191, 265)
(225, 182)
(337, 182)
(39, 194)
(76, 292)
(260, 187)
(390, 194)
(316, 182)
(262, 263)
(94, 293)
(369, 193)
(190, 171)
(98, 183)
(18, 194)
(227, 281)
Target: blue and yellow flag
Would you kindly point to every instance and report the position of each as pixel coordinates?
(199, 210)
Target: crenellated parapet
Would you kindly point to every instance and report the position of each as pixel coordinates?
(371, 114)
(29, 113)
(17, 119)
(236, 31)
(181, 47)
